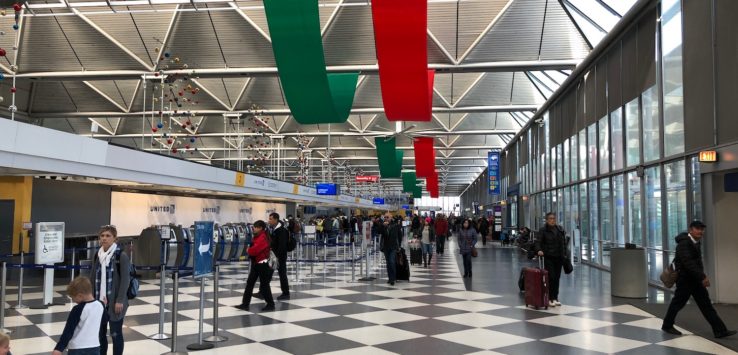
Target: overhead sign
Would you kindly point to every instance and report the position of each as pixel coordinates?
(367, 178)
(405, 207)
(203, 265)
(378, 201)
(493, 172)
(708, 156)
(49, 243)
(327, 189)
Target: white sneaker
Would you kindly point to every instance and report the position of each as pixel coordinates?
(557, 303)
(551, 304)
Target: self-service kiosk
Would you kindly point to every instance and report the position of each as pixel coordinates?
(187, 246)
(219, 240)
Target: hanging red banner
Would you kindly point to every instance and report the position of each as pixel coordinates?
(401, 41)
(425, 157)
(431, 184)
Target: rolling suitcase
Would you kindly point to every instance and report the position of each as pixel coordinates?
(536, 286)
(403, 268)
(416, 254)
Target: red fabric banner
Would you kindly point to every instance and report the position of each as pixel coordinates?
(401, 42)
(425, 157)
(431, 184)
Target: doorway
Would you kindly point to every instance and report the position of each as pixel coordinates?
(7, 213)
(721, 237)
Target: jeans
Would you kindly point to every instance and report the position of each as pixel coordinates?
(85, 351)
(391, 257)
(686, 288)
(263, 273)
(554, 266)
(116, 333)
(427, 248)
(467, 263)
(283, 280)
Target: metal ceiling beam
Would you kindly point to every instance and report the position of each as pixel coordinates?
(323, 134)
(286, 112)
(218, 149)
(506, 66)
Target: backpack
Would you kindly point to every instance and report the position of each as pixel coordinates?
(134, 284)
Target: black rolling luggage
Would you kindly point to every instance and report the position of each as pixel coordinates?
(403, 268)
(416, 253)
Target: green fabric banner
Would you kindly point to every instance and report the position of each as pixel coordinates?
(418, 192)
(389, 158)
(314, 96)
(409, 182)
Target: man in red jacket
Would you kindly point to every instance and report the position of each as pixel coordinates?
(259, 253)
(441, 229)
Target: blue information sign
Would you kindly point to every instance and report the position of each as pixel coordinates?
(405, 207)
(378, 201)
(203, 249)
(493, 172)
(327, 189)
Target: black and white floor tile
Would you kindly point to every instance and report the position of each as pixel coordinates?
(437, 312)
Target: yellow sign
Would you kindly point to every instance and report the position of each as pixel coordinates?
(708, 156)
(295, 189)
(240, 179)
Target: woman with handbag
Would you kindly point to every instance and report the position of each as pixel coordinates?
(259, 251)
(467, 245)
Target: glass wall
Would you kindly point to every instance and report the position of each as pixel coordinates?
(634, 208)
(651, 126)
(594, 228)
(574, 160)
(605, 220)
(671, 51)
(584, 222)
(633, 133)
(618, 192)
(696, 189)
(604, 145)
(676, 201)
(653, 221)
(583, 154)
(592, 150)
(616, 131)
(566, 158)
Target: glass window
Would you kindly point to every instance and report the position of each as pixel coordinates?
(594, 228)
(671, 49)
(605, 229)
(619, 209)
(651, 126)
(584, 219)
(574, 227)
(676, 200)
(616, 139)
(583, 154)
(696, 190)
(592, 150)
(633, 133)
(565, 160)
(604, 145)
(559, 164)
(634, 208)
(574, 160)
(653, 221)
(546, 170)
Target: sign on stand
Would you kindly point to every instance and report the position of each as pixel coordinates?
(49, 251)
(203, 265)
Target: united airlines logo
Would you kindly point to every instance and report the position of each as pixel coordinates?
(215, 209)
(246, 210)
(162, 209)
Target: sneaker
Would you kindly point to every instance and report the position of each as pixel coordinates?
(557, 303)
(392, 283)
(243, 307)
(726, 333)
(551, 303)
(268, 308)
(672, 331)
(283, 297)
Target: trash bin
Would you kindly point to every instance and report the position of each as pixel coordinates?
(629, 273)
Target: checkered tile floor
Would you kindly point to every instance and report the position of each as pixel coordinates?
(434, 313)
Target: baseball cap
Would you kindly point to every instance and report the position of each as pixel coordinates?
(697, 224)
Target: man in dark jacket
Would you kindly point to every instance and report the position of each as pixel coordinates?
(551, 244)
(483, 229)
(692, 282)
(389, 243)
(280, 237)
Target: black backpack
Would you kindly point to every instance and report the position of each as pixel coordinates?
(134, 283)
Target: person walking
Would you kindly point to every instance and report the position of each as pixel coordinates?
(259, 253)
(551, 245)
(693, 282)
(280, 239)
(441, 227)
(467, 239)
(483, 228)
(110, 269)
(426, 240)
(389, 243)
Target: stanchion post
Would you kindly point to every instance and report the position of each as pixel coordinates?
(175, 301)
(20, 304)
(353, 264)
(2, 299)
(200, 344)
(162, 294)
(215, 338)
(74, 261)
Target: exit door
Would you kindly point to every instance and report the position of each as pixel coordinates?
(7, 211)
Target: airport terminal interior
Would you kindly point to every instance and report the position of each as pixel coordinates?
(368, 177)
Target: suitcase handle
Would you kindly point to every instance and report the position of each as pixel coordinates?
(540, 262)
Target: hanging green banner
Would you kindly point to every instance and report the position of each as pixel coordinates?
(409, 182)
(313, 95)
(389, 158)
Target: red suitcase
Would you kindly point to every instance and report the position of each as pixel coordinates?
(536, 286)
